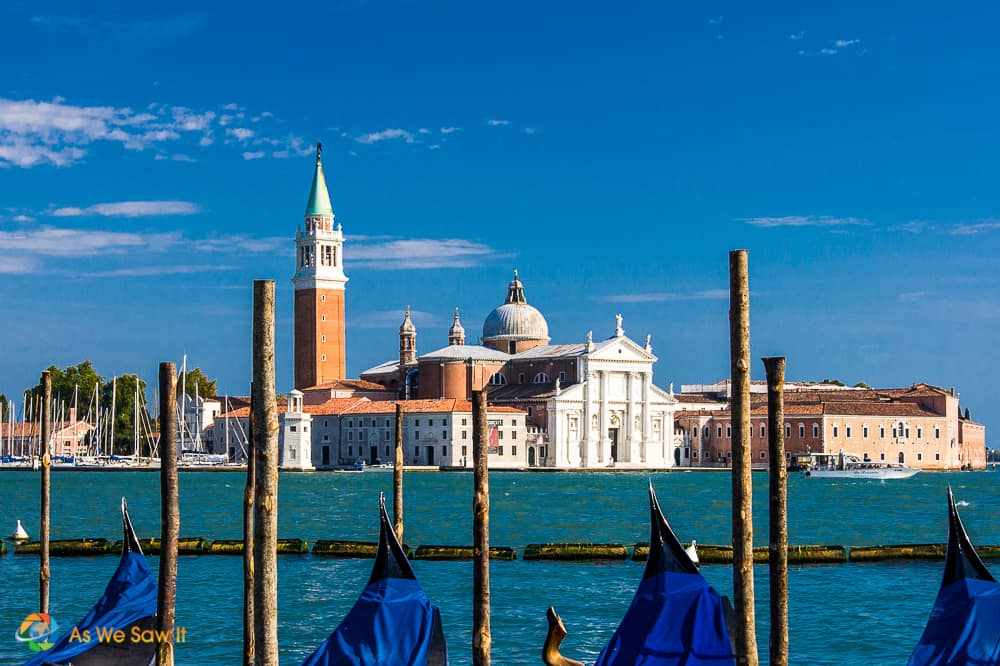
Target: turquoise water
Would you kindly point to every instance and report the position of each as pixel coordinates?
(839, 614)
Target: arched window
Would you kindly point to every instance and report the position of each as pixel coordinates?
(497, 379)
(541, 378)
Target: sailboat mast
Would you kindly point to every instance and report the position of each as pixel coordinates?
(97, 418)
(135, 421)
(111, 427)
(183, 420)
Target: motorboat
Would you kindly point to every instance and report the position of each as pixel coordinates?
(845, 466)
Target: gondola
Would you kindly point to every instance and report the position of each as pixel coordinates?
(128, 605)
(392, 622)
(675, 618)
(964, 626)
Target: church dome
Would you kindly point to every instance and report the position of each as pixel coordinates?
(515, 319)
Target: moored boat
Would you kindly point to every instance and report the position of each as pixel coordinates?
(128, 604)
(964, 626)
(675, 618)
(392, 622)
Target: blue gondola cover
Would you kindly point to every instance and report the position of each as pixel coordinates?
(129, 599)
(964, 627)
(392, 623)
(676, 618)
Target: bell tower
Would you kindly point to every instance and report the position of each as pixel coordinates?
(320, 351)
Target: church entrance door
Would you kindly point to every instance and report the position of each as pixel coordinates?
(613, 436)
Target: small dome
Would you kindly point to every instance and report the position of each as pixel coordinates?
(456, 327)
(407, 325)
(515, 319)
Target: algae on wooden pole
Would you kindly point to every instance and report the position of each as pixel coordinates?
(248, 517)
(265, 444)
(397, 476)
(481, 635)
(745, 638)
(777, 561)
(170, 525)
(44, 573)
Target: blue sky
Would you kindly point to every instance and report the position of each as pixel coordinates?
(155, 160)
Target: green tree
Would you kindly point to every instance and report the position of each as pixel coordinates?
(196, 379)
(835, 382)
(862, 385)
(123, 440)
(5, 407)
(82, 378)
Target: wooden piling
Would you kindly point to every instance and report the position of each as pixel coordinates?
(265, 436)
(44, 574)
(169, 514)
(397, 476)
(745, 639)
(248, 517)
(777, 561)
(481, 635)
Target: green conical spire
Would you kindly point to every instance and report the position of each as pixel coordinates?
(319, 196)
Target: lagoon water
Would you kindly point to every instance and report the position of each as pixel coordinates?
(839, 614)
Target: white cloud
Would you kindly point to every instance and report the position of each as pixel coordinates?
(805, 221)
(391, 319)
(17, 265)
(976, 228)
(665, 296)
(149, 271)
(253, 155)
(913, 227)
(385, 135)
(530, 130)
(422, 130)
(35, 133)
(497, 122)
(232, 106)
(241, 244)
(54, 241)
(241, 133)
(449, 130)
(828, 51)
(23, 218)
(841, 43)
(911, 296)
(131, 209)
(796, 36)
(421, 253)
(717, 20)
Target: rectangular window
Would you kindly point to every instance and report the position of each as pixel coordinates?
(881, 432)
(720, 431)
(937, 432)
(562, 376)
(920, 456)
(815, 430)
(835, 430)
(513, 450)
(513, 434)
(430, 422)
(937, 456)
(802, 431)
(350, 451)
(499, 434)
(729, 431)
(465, 450)
(417, 423)
(350, 435)
(513, 422)
(864, 431)
(847, 430)
(416, 451)
(763, 431)
(465, 422)
(387, 423)
(906, 432)
(416, 435)
(444, 451)
(894, 432)
(387, 435)
(788, 430)
(920, 432)
(500, 450)
(541, 451)
(465, 434)
(444, 434)
(292, 428)
(883, 456)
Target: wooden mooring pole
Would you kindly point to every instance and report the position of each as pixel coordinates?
(397, 476)
(482, 638)
(777, 560)
(248, 518)
(739, 347)
(265, 444)
(44, 574)
(170, 522)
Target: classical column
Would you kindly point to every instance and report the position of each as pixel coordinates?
(646, 416)
(584, 431)
(602, 440)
